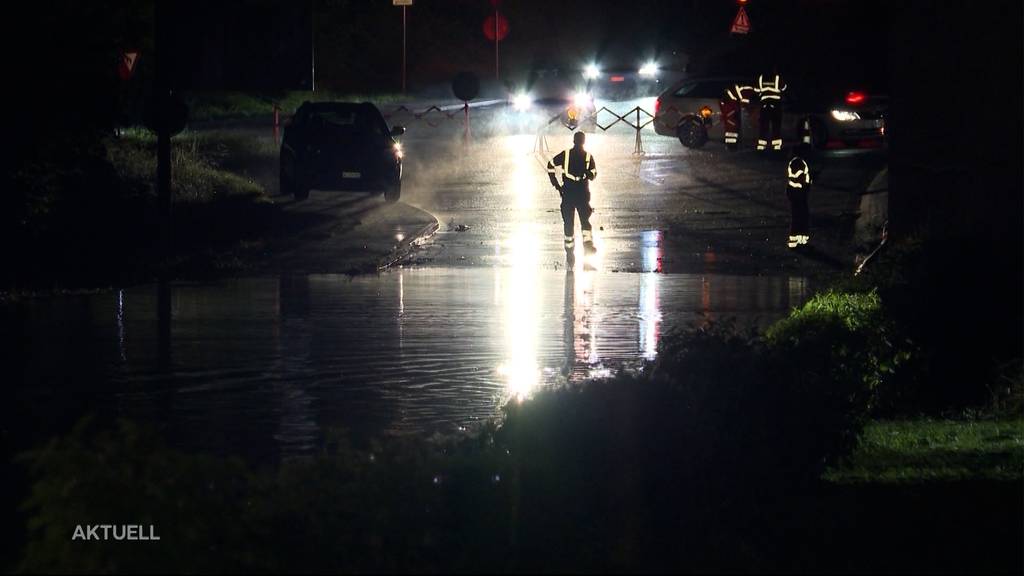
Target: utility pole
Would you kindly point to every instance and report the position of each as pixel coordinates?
(312, 43)
(496, 73)
(404, 4)
(163, 135)
(403, 48)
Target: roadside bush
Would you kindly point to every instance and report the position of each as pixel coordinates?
(703, 462)
(845, 342)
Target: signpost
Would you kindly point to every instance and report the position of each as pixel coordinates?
(496, 28)
(404, 4)
(740, 24)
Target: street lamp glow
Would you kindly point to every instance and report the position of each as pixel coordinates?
(591, 71)
(581, 99)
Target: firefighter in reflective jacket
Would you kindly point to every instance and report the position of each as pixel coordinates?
(798, 186)
(769, 91)
(732, 111)
(578, 169)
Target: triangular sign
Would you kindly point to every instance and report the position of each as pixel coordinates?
(129, 60)
(740, 24)
(127, 64)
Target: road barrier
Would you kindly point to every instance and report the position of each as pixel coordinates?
(643, 119)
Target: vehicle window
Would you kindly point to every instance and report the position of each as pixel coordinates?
(685, 89)
(704, 89)
(351, 123)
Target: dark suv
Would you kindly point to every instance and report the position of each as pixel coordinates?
(340, 146)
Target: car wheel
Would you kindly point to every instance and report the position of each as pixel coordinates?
(393, 192)
(691, 133)
(819, 133)
(284, 168)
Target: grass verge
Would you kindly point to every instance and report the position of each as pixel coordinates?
(926, 450)
(224, 105)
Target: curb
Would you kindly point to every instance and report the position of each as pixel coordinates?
(405, 247)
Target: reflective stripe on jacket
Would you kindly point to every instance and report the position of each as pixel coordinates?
(799, 173)
(572, 167)
(738, 92)
(770, 91)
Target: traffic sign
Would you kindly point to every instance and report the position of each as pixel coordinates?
(740, 24)
(496, 27)
(126, 66)
(401, 2)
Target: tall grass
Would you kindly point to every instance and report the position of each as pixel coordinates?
(196, 177)
(219, 105)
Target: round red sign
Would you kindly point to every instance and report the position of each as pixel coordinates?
(501, 28)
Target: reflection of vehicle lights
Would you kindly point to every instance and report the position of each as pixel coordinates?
(591, 72)
(845, 115)
(649, 70)
(582, 99)
(398, 151)
(705, 112)
(522, 101)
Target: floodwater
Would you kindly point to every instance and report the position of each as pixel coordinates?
(266, 367)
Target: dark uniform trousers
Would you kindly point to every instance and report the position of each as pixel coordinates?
(797, 187)
(770, 92)
(575, 199)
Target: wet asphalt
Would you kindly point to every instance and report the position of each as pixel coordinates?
(480, 312)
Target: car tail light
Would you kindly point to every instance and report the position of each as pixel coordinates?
(855, 97)
(657, 106)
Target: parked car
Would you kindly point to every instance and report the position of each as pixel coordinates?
(340, 146)
(689, 110)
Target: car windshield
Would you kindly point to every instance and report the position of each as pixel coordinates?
(704, 88)
(349, 122)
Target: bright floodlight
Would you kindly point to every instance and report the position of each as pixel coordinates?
(591, 71)
(581, 99)
(522, 101)
(649, 69)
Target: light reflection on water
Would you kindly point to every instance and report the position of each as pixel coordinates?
(268, 365)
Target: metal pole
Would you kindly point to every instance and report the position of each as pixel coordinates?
(403, 49)
(496, 73)
(312, 43)
(163, 138)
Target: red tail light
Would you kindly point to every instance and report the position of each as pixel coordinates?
(657, 106)
(855, 97)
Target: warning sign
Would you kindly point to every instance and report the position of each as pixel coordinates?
(740, 24)
(127, 64)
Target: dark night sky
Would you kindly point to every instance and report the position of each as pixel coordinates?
(261, 44)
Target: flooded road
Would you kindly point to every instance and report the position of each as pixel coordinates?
(265, 367)
(480, 313)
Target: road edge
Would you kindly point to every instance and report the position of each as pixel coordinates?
(408, 244)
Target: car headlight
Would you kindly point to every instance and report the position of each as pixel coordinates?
(582, 99)
(845, 115)
(522, 101)
(399, 154)
(649, 70)
(591, 71)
